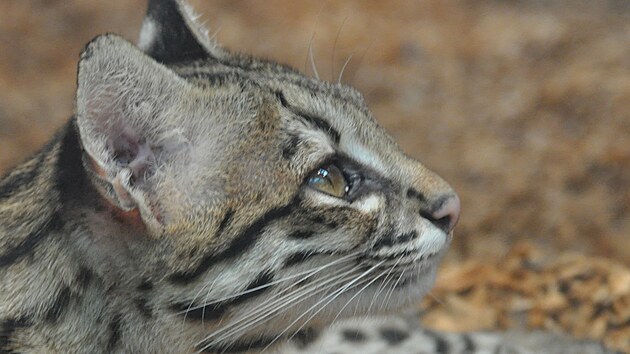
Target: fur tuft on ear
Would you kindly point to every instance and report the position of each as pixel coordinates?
(123, 97)
(170, 33)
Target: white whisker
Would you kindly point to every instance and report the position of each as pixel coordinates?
(333, 296)
(384, 282)
(308, 273)
(270, 309)
(361, 60)
(310, 55)
(343, 68)
(332, 57)
(391, 290)
(355, 295)
(430, 293)
(292, 302)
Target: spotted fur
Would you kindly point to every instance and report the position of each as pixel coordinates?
(173, 213)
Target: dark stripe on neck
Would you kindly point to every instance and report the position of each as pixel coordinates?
(114, 334)
(8, 328)
(22, 177)
(71, 180)
(70, 183)
(146, 285)
(59, 306)
(27, 245)
(84, 277)
(217, 310)
(241, 244)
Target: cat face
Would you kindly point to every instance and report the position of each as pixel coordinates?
(268, 200)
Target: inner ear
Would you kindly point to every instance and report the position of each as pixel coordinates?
(131, 151)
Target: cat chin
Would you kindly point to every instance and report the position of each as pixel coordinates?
(359, 302)
(376, 298)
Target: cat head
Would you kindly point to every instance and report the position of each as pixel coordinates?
(258, 190)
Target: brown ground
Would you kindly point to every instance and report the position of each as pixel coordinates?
(524, 106)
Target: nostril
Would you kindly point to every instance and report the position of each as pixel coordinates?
(444, 223)
(446, 215)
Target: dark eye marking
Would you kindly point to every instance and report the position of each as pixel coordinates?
(315, 121)
(239, 245)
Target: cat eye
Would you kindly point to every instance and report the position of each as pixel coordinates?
(330, 180)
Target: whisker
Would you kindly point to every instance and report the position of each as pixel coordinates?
(333, 299)
(294, 301)
(190, 307)
(360, 61)
(384, 282)
(310, 55)
(430, 293)
(273, 312)
(391, 290)
(333, 296)
(332, 58)
(308, 273)
(214, 35)
(310, 43)
(268, 309)
(343, 68)
(355, 295)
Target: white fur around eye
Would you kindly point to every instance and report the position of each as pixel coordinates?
(324, 199)
(369, 204)
(364, 156)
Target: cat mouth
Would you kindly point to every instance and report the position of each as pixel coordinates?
(404, 259)
(403, 269)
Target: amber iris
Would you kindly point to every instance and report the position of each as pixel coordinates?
(330, 180)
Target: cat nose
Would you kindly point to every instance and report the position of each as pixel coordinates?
(446, 214)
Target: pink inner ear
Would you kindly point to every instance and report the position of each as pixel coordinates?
(133, 152)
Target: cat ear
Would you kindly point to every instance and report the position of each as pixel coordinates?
(171, 34)
(123, 101)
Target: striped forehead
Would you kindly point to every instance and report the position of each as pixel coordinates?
(335, 116)
(357, 134)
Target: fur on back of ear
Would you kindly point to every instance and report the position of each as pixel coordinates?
(170, 33)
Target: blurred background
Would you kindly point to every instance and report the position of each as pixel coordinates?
(523, 106)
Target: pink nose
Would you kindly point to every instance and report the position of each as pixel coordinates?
(447, 215)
